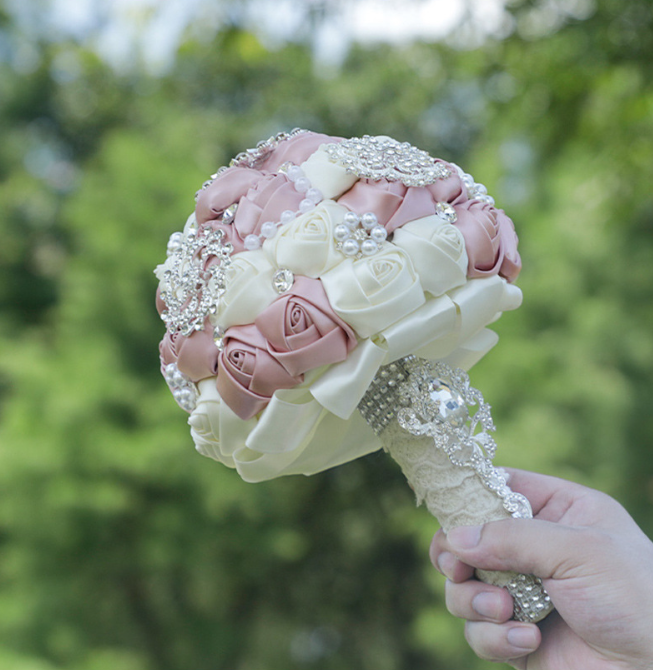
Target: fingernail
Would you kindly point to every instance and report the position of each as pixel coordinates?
(522, 637)
(445, 562)
(464, 537)
(487, 605)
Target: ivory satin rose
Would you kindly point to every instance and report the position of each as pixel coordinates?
(437, 252)
(302, 330)
(306, 246)
(373, 292)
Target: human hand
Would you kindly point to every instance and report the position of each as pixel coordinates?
(594, 561)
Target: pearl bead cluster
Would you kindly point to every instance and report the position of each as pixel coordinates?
(183, 389)
(312, 197)
(359, 236)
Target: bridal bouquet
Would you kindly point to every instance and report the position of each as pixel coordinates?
(308, 264)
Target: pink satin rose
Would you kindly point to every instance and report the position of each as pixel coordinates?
(303, 331)
(511, 266)
(226, 189)
(490, 240)
(196, 356)
(265, 201)
(395, 204)
(260, 197)
(296, 150)
(247, 374)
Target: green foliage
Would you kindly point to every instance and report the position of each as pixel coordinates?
(123, 548)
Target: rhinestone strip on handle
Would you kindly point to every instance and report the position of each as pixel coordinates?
(421, 412)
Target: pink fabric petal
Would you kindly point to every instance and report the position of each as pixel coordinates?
(417, 202)
(225, 190)
(296, 150)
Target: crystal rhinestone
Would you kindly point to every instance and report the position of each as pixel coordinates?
(229, 214)
(283, 280)
(446, 212)
(218, 338)
(451, 405)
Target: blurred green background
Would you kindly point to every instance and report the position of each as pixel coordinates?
(120, 547)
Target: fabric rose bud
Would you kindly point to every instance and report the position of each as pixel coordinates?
(479, 223)
(303, 331)
(437, 251)
(247, 374)
(296, 150)
(225, 190)
(307, 246)
(375, 291)
(196, 355)
(265, 201)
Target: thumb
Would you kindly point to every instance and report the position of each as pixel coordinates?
(529, 546)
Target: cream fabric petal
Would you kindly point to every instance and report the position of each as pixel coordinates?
(249, 290)
(373, 292)
(331, 179)
(436, 320)
(306, 246)
(437, 251)
(342, 386)
(467, 355)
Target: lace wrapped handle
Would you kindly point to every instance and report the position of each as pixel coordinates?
(421, 412)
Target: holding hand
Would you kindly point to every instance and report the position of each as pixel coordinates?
(595, 563)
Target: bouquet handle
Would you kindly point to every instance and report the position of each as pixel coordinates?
(420, 411)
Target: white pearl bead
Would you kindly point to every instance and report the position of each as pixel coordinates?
(269, 229)
(341, 232)
(306, 205)
(170, 371)
(302, 185)
(252, 242)
(350, 247)
(287, 216)
(369, 220)
(314, 195)
(379, 234)
(369, 247)
(351, 219)
(294, 173)
(480, 189)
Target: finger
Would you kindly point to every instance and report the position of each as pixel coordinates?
(506, 642)
(528, 546)
(543, 491)
(446, 563)
(475, 601)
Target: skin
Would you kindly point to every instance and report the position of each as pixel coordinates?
(595, 563)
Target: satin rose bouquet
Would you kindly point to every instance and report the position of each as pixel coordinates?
(308, 264)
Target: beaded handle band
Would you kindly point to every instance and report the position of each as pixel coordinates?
(421, 412)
